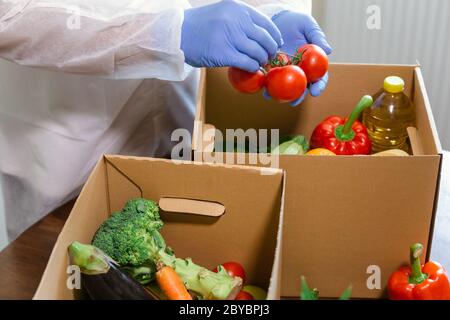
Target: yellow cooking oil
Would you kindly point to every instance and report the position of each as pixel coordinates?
(389, 117)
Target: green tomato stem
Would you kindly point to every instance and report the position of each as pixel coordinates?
(287, 54)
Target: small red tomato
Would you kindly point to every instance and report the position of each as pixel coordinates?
(242, 295)
(314, 61)
(234, 269)
(246, 82)
(286, 84)
(280, 60)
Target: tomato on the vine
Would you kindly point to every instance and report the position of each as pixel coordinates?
(286, 84)
(313, 60)
(246, 82)
(284, 77)
(281, 60)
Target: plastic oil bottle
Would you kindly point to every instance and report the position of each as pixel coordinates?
(389, 117)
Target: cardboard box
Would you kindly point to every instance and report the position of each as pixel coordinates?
(212, 213)
(345, 217)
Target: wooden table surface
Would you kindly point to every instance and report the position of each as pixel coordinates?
(23, 261)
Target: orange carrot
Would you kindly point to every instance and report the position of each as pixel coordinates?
(171, 284)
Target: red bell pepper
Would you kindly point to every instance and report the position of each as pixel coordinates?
(417, 282)
(344, 136)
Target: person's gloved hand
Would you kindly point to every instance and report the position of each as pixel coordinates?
(228, 34)
(298, 29)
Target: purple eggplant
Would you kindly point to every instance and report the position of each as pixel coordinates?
(102, 278)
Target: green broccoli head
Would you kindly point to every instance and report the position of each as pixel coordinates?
(131, 237)
(146, 207)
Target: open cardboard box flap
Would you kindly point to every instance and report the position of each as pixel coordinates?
(343, 215)
(231, 213)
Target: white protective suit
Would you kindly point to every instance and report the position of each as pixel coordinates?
(87, 96)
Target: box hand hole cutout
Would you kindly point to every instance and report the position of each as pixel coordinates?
(191, 206)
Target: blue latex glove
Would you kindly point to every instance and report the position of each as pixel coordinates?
(229, 34)
(298, 29)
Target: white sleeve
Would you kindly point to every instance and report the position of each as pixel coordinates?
(108, 38)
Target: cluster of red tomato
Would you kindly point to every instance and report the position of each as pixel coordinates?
(285, 78)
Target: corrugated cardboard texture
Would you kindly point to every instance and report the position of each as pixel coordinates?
(200, 111)
(342, 214)
(424, 117)
(246, 232)
(89, 211)
(355, 213)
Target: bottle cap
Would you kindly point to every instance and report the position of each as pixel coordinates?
(394, 84)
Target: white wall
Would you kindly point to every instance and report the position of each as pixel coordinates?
(411, 30)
